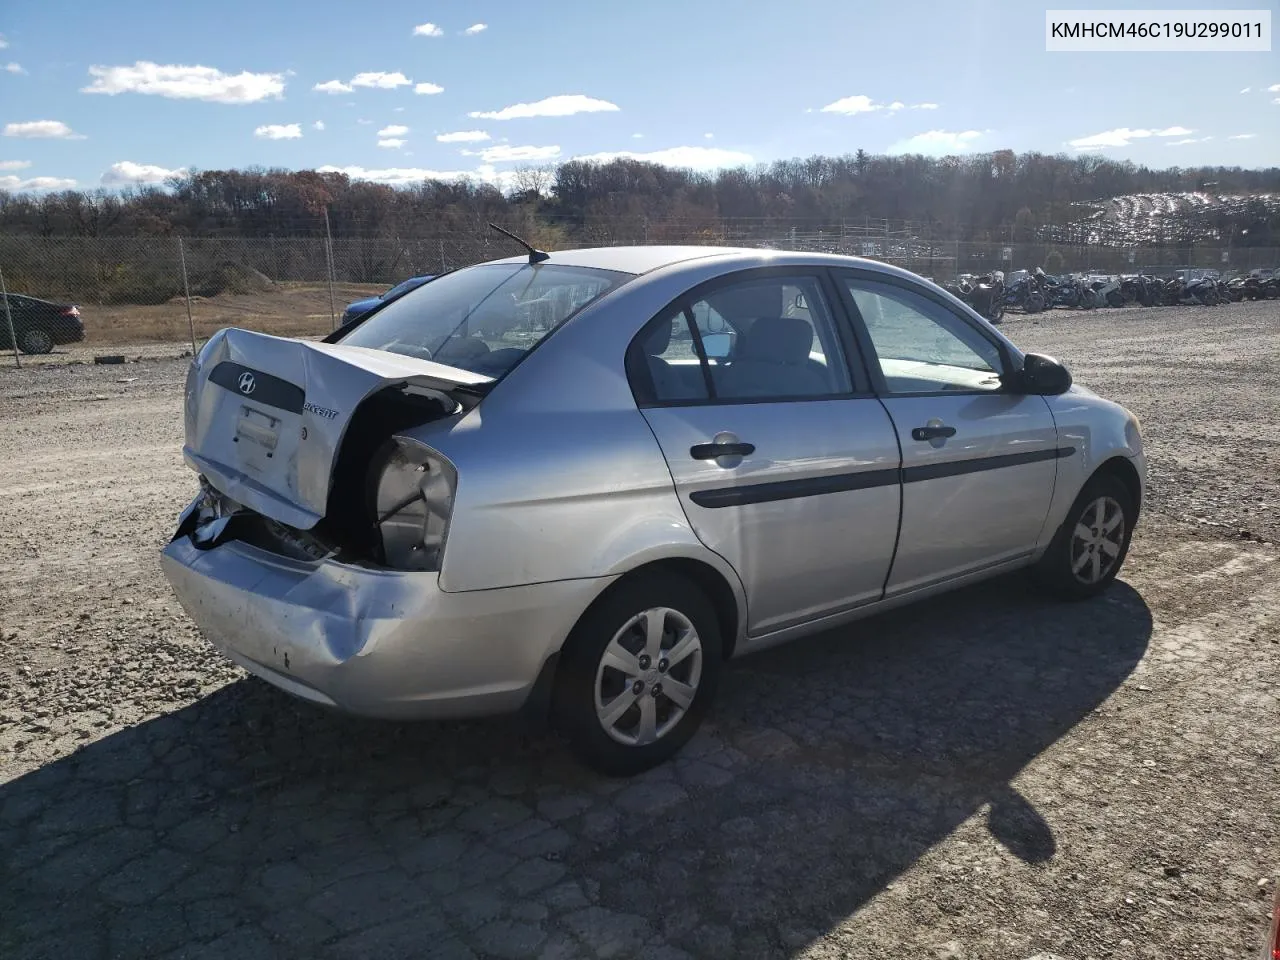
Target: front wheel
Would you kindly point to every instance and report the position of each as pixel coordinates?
(638, 674)
(1089, 548)
(1035, 303)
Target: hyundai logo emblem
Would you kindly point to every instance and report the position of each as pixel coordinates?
(247, 384)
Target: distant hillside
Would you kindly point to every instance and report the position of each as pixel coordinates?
(998, 196)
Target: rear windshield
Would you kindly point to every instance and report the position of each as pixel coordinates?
(483, 318)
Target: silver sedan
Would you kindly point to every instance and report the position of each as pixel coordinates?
(577, 484)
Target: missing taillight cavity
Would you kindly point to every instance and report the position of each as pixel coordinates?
(350, 518)
(412, 491)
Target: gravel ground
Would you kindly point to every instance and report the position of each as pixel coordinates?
(984, 776)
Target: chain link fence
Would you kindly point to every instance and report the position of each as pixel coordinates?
(138, 289)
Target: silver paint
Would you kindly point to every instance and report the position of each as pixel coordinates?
(563, 487)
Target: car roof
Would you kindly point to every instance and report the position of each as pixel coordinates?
(640, 260)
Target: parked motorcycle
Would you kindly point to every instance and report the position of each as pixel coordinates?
(1139, 289)
(985, 293)
(1023, 294)
(1107, 290)
(1069, 292)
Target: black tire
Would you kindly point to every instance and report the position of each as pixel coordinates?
(1115, 299)
(1272, 293)
(1035, 303)
(574, 707)
(1055, 571)
(35, 341)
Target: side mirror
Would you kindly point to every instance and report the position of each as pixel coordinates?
(1042, 376)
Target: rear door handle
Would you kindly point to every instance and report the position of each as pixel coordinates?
(932, 433)
(712, 451)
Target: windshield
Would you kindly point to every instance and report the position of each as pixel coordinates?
(483, 318)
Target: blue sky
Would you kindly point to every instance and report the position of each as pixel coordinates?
(141, 87)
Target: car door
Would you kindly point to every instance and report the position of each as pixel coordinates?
(785, 463)
(978, 462)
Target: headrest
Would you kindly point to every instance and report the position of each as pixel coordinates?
(779, 340)
(658, 339)
(741, 301)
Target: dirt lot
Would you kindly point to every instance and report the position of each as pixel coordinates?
(985, 776)
(286, 309)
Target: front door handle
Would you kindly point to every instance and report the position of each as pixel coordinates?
(932, 432)
(713, 451)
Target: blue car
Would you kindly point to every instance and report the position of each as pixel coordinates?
(360, 307)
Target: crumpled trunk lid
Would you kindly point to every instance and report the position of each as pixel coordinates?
(266, 416)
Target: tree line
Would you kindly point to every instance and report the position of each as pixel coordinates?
(981, 197)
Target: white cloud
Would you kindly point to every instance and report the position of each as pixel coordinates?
(427, 30)
(1124, 137)
(380, 81)
(318, 125)
(14, 68)
(398, 176)
(1274, 88)
(504, 152)
(395, 130)
(179, 82)
(36, 183)
(462, 136)
(41, 129)
(363, 121)
(332, 86)
(708, 136)
(279, 131)
(1247, 90)
(937, 142)
(1242, 136)
(1276, 100)
(392, 143)
(1185, 141)
(427, 89)
(561, 106)
(851, 105)
(637, 136)
(475, 28)
(126, 172)
(694, 158)
(3, 42)
(14, 164)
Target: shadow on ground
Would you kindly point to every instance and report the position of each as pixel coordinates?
(247, 825)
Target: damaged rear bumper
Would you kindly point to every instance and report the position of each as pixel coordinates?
(378, 643)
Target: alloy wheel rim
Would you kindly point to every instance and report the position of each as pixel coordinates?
(37, 341)
(1097, 540)
(648, 676)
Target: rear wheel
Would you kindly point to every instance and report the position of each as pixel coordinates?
(638, 674)
(35, 341)
(1089, 548)
(1035, 303)
(1115, 298)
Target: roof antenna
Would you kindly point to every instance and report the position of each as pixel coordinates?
(535, 255)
